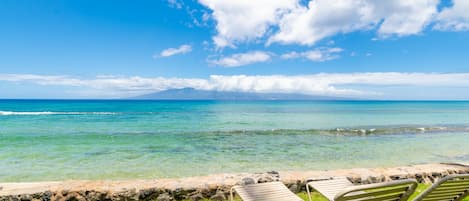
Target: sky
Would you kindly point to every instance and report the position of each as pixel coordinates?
(374, 49)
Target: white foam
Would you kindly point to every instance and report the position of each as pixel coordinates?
(3, 113)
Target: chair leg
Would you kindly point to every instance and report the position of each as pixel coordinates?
(231, 194)
(308, 192)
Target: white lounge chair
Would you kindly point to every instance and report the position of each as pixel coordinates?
(272, 191)
(449, 188)
(341, 189)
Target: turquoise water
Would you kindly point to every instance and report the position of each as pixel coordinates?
(57, 140)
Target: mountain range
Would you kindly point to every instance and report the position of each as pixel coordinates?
(195, 94)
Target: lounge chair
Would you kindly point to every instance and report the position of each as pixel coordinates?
(449, 188)
(341, 189)
(272, 191)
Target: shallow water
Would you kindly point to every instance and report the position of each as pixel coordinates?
(57, 140)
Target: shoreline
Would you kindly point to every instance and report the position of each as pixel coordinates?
(214, 186)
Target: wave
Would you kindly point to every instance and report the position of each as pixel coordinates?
(8, 113)
(355, 131)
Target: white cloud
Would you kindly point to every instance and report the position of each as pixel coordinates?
(321, 19)
(317, 84)
(173, 51)
(318, 55)
(242, 59)
(455, 18)
(326, 18)
(404, 17)
(289, 22)
(245, 20)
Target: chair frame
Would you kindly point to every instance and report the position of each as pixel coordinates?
(360, 188)
(442, 181)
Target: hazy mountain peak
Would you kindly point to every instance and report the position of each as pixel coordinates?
(196, 94)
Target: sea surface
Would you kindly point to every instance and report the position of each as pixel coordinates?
(43, 140)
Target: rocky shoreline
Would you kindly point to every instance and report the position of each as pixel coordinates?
(214, 187)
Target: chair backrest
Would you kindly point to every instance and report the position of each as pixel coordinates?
(328, 187)
(395, 190)
(271, 191)
(451, 188)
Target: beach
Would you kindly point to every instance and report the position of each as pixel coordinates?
(213, 187)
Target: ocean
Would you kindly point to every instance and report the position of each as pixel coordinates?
(45, 140)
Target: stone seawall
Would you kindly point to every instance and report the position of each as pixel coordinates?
(214, 187)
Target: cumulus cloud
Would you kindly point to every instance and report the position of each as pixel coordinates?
(245, 20)
(335, 84)
(323, 18)
(403, 17)
(174, 51)
(326, 18)
(290, 22)
(242, 59)
(455, 18)
(318, 55)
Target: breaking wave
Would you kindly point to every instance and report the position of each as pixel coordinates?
(6, 113)
(355, 131)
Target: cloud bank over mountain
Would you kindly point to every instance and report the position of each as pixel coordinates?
(325, 84)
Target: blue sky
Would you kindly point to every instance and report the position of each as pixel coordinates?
(352, 48)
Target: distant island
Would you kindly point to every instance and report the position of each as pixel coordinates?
(195, 94)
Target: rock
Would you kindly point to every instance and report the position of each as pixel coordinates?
(265, 180)
(275, 175)
(56, 196)
(73, 196)
(126, 195)
(436, 174)
(355, 180)
(420, 177)
(206, 192)
(197, 197)
(397, 177)
(64, 192)
(47, 196)
(164, 197)
(148, 194)
(219, 196)
(181, 194)
(94, 195)
(273, 172)
(246, 181)
(375, 179)
(294, 188)
(25, 198)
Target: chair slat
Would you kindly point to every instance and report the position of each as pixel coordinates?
(394, 190)
(397, 192)
(272, 191)
(343, 190)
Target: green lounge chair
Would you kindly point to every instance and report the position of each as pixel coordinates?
(449, 188)
(272, 191)
(341, 189)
